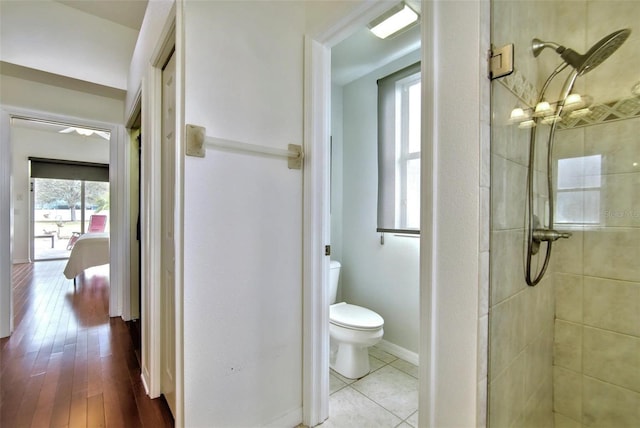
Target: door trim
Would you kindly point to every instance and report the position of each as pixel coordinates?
(171, 39)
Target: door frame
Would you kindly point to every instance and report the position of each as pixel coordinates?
(150, 95)
(119, 195)
(316, 222)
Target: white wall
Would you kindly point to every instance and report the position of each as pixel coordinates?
(454, 55)
(44, 97)
(101, 55)
(243, 215)
(44, 144)
(384, 278)
(336, 174)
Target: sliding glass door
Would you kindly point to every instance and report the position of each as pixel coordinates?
(66, 195)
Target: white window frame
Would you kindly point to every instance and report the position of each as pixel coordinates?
(404, 155)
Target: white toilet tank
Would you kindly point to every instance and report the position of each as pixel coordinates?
(334, 276)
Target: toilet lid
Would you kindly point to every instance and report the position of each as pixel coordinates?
(352, 316)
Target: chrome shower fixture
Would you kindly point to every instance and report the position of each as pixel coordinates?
(594, 56)
(537, 233)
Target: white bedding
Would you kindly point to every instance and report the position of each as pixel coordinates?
(91, 249)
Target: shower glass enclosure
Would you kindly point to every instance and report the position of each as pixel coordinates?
(566, 352)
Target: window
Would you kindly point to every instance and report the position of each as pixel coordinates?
(578, 193)
(399, 115)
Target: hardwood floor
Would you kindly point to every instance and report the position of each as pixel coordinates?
(67, 364)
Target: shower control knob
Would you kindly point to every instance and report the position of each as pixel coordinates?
(540, 235)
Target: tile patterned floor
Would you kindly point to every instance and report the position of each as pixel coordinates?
(386, 397)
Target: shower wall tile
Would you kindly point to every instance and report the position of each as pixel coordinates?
(567, 393)
(571, 31)
(485, 155)
(501, 17)
(568, 288)
(561, 421)
(518, 149)
(539, 309)
(506, 337)
(508, 141)
(619, 153)
(482, 394)
(567, 350)
(506, 264)
(502, 101)
(612, 305)
(619, 70)
(569, 144)
(612, 253)
(620, 200)
(607, 405)
(507, 395)
(483, 346)
(508, 190)
(485, 218)
(612, 357)
(538, 410)
(483, 292)
(538, 364)
(568, 254)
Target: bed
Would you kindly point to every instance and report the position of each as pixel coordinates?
(91, 249)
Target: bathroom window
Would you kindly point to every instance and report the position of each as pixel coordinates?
(578, 190)
(399, 116)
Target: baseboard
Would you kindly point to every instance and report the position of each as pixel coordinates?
(399, 352)
(21, 261)
(288, 420)
(144, 383)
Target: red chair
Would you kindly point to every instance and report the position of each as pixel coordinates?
(97, 224)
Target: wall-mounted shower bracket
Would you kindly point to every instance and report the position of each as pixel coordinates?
(501, 61)
(547, 235)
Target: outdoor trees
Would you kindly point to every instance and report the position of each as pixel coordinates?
(66, 194)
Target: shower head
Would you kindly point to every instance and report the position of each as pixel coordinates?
(594, 56)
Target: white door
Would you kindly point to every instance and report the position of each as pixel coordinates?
(168, 350)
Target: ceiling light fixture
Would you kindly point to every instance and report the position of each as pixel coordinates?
(85, 132)
(394, 20)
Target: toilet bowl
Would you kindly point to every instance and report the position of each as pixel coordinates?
(352, 330)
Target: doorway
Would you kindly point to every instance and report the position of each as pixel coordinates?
(379, 262)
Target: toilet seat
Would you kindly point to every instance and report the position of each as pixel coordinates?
(354, 317)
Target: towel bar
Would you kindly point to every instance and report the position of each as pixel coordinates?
(197, 139)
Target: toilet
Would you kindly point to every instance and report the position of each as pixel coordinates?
(352, 330)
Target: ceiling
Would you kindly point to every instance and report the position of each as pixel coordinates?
(362, 52)
(124, 12)
(89, 41)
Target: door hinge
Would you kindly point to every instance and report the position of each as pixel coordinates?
(501, 61)
(327, 250)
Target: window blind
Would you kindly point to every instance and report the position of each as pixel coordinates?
(387, 165)
(68, 170)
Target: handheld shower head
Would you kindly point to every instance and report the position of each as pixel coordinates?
(594, 56)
